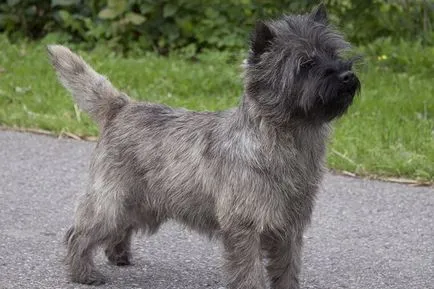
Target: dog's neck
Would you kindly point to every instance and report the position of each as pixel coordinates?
(281, 144)
(250, 113)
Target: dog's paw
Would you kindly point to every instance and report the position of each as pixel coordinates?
(93, 278)
(123, 260)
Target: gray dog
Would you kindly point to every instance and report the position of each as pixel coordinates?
(248, 175)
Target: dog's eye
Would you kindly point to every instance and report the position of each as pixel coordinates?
(307, 64)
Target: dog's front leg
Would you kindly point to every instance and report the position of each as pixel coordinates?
(243, 258)
(284, 259)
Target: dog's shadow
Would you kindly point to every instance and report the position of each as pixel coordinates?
(174, 273)
(175, 258)
(162, 274)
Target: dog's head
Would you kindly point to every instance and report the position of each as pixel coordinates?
(295, 69)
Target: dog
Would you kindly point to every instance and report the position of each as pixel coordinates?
(247, 176)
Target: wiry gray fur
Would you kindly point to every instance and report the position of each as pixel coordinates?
(247, 175)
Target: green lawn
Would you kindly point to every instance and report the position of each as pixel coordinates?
(389, 131)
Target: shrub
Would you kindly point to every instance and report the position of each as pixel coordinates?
(401, 56)
(193, 25)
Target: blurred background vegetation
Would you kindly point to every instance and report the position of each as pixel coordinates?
(389, 30)
(187, 53)
(193, 25)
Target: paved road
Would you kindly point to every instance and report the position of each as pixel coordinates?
(365, 234)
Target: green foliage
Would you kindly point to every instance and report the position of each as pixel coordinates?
(400, 56)
(194, 25)
(364, 21)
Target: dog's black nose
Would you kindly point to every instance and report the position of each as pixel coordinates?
(346, 76)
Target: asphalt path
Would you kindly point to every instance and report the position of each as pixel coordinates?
(364, 235)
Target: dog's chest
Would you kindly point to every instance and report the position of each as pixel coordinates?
(292, 162)
(298, 161)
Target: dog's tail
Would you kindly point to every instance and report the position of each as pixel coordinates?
(92, 91)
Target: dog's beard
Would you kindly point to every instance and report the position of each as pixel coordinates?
(326, 100)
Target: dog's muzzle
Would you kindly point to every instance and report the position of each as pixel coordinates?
(347, 77)
(349, 82)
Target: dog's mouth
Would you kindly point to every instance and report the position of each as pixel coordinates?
(332, 97)
(352, 88)
(336, 100)
(341, 91)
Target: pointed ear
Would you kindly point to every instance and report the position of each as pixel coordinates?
(319, 14)
(261, 38)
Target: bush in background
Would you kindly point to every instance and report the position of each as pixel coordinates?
(194, 25)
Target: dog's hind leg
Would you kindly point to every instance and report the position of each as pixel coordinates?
(118, 250)
(143, 218)
(98, 220)
(80, 245)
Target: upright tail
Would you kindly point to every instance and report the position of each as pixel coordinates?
(92, 91)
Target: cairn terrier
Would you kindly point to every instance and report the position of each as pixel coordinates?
(247, 175)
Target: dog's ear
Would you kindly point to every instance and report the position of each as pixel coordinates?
(319, 14)
(261, 38)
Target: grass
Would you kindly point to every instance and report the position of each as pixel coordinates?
(389, 131)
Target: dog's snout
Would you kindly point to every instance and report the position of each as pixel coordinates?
(346, 76)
